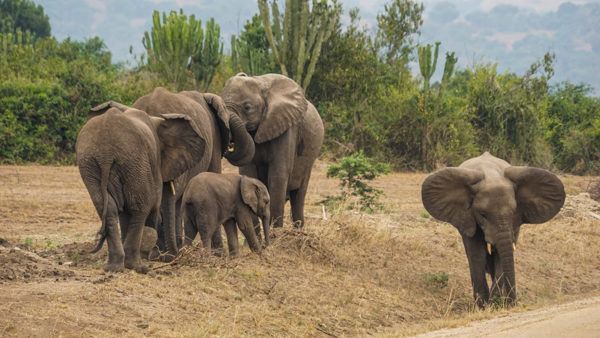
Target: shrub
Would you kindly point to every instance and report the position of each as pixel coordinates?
(353, 171)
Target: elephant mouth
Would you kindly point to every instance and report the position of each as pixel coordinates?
(251, 127)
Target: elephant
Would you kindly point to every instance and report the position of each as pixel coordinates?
(487, 200)
(213, 199)
(219, 130)
(288, 133)
(125, 157)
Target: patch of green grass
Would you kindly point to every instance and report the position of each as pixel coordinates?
(436, 280)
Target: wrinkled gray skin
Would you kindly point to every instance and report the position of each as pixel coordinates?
(487, 200)
(213, 199)
(125, 158)
(218, 128)
(288, 133)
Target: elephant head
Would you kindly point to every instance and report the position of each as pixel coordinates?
(236, 144)
(268, 104)
(498, 202)
(256, 196)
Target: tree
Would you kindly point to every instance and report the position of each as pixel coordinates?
(400, 20)
(23, 15)
(250, 51)
(296, 38)
(177, 43)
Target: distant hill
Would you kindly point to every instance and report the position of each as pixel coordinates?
(477, 30)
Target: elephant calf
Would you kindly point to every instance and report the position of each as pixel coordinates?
(212, 199)
(487, 200)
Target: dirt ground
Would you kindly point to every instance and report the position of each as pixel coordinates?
(576, 319)
(393, 273)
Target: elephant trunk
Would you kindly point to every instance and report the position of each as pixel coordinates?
(504, 246)
(243, 151)
(168, 220)
(266, 223)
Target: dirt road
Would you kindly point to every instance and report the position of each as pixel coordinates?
(577, 319)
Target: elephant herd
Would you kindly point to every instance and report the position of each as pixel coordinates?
(155, 166)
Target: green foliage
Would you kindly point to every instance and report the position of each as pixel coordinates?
(397, 25)
(353, 171)
(205, 62)
(46, 89)
(296, 37)
(510, 112)
(436, 280)
(177, 43)
(574, 128)
(428, 62)
(23, 15)
(250, 51)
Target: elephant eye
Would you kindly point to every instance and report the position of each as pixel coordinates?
(247, 106)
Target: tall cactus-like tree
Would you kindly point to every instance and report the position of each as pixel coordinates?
(451, 61)
(247, 59)
(208, 56)
(177, 44)
(171, 43)
(428, 62)
(296, 37)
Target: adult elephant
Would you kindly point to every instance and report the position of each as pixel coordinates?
(218, 129)
(288, 133)
(487, 200)
(125, 157)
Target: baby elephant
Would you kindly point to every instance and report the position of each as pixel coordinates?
(212, 199)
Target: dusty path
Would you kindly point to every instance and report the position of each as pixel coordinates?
(577, 319)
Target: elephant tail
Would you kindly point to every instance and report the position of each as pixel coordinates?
(104, 177)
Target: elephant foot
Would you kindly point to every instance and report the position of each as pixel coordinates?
(154, 254)
(218, 252)
(138, 267)
(114, 267)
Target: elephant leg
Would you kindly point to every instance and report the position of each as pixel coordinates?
(232, 237)
(124, 222)
(133, 241)
(178, 223)
(116, 254)
(477, 256)
(297, 198)
(190, 230)
(277, 186)
(217, 241)
(247, 229)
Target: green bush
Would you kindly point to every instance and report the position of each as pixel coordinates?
(353, 171)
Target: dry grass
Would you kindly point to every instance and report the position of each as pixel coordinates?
(389, 274)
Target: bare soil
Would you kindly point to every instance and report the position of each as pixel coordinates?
(393, 273)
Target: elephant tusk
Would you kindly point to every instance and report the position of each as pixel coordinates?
(231, 147)
(172, 188)
(488, 246)
(514, 247)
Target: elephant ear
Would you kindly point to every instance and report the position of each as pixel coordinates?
(285, 106)
(540, 194)
(217, 106)
(448, 194)
(182, 145)
(249, 190)
(104, 107)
